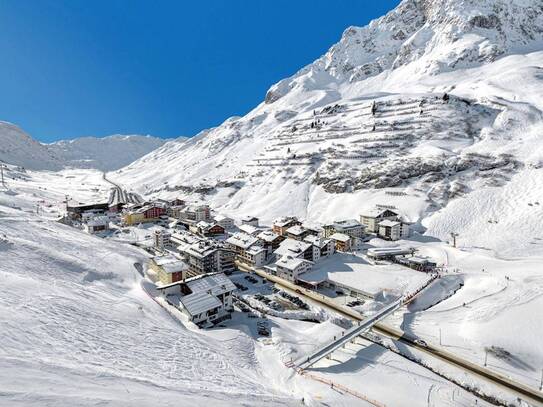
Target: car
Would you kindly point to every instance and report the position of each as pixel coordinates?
(421, 342)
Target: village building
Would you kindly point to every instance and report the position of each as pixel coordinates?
(175, 211)
(381, 253)
(295, 248)
(349, 227)
(176, 202)
(207, 229)
(224, 221)
(373, 217)
(161, 239)
(321, 247)
(290, 268)
(168, 269)
(247, 249)
(205, 300)
(202, 257)
(270, 241)
(196, 213)
(297, 232)
(76, 209)
(147, 213)
(249, 220)
(393, 229)
(97, 224)
(249, 229)
(343, 242)
(281, 225)
(227, 260)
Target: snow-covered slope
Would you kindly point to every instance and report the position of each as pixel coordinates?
(107, 153)
(368, 123)
(18, 148)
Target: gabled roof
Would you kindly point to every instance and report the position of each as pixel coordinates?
(249, 229)
(267, 236)
(248, 218)
(242, 240)
(316, 241)
(376, 212)
(291, 247)
(340, 237)
(291, 263)
(200, 302)
(296, 230)
(284, 221)
(215, 284)
(162, 260)
(389, 223)
(175, 267)
(346, 224)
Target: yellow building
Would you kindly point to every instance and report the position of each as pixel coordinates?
(133, 218)
(168, 269)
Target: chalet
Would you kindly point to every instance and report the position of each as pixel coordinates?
(203, 228)
(97, 224)
(206, 300)
(249, 229)
(349, 227)
(321, 247)
(270, 241)
(343, 242)
(281, 225)
(393, 229)
(290, 268)
(371, 218)
(297, 232)
(224, 221)
(168, 269)
(202, 257)
(295, 248)
(249, 220)
(176, 202)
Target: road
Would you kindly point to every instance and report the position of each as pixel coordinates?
(519, 389)
(327, 349)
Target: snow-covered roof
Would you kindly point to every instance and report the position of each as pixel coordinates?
(215, 284)
(389, 223)
(291, 263)
(200, 249)
(255, 250)
(283, 221)
(200, 302)
(242, 240)
(220, 218)
(162, 260)
(388, 251)
(291, 247)
(267, 236)
(340, 237)
(249, 229)
(248, 218)
(98, 221)
(175, 267)
(296, 230)
(316, 240)
(375, 212)
(346, 224)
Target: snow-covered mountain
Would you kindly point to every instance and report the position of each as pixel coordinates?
(434, 100)
(107, 153)
(17, 147)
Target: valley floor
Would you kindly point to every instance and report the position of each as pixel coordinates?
(77, 328)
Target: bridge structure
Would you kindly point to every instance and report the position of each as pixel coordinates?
(327, 349)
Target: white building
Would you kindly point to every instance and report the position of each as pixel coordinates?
(393, 229)
(349, 227)
(205, 299)
(247, 248)
(162, 239)
(343, 242)
(373, 217)
(321, 247)
(290, 268)
(97, 224)
(224, 221)
(249, 220)
(294, 248)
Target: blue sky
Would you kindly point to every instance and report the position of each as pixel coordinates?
(166, 68)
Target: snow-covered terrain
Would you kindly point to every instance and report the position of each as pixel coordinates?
(435, 108)
(106, 154)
